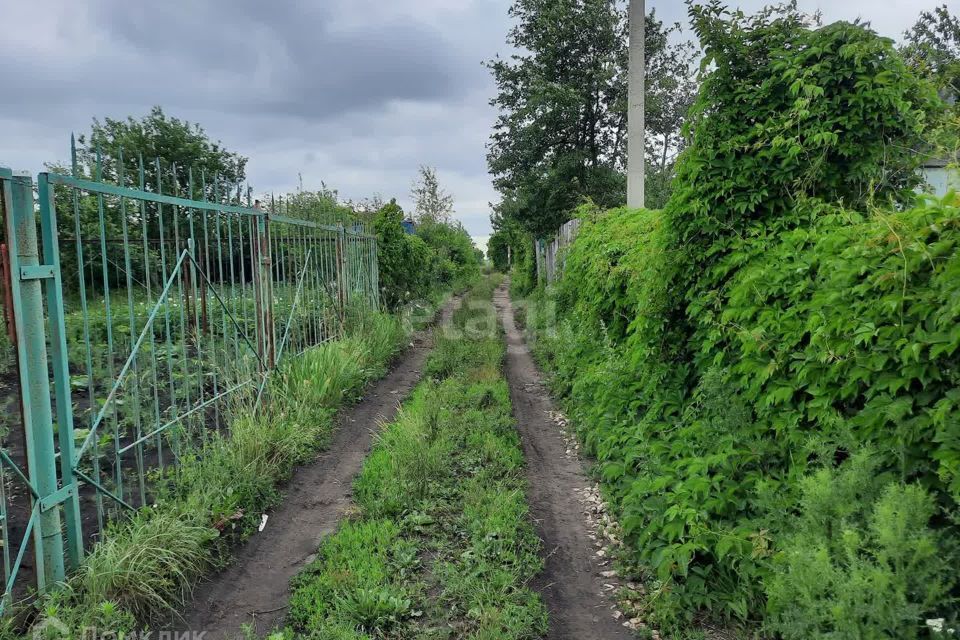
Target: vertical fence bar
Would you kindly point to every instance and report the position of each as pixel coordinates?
(132, 319)
(109, 355)
(84, 312)
(255, 281)
(341, 288)
(194, 292)
(376, 271)
(7, 298)
(174, 399)
(266, 272)
(61, 370)
(5, 533)
(263, 277)
(158, 442)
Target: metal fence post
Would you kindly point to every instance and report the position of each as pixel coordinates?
(341, 272)
(61, 371)
(27, 289)
(257, 283)
(374, 273)
(265, 288)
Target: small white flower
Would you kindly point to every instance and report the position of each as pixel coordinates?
(936, 624)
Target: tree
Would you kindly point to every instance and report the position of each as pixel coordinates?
(789, 113)
(322, 206)
(497, 247)
(454, 255)
(933, 48)
(431, 202)
(176, 143)
(402, 258)
(184, 151)
(366, 208)
(560, 137)
(671, 88)
(562, 101)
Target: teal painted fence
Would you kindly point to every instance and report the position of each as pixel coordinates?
(142, 300)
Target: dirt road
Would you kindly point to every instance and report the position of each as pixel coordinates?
(571, 584)
(256, 587)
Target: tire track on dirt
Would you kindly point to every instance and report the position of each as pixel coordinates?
(570, 583)
(255, 588)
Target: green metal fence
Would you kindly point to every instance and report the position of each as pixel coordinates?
(150, 298)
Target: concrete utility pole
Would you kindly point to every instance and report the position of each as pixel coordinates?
(635, 116)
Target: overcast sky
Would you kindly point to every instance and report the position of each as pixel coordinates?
(356, 93)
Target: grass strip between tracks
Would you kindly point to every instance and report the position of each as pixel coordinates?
(440, 545)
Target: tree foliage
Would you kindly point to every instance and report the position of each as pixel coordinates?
(454, 255)
(323, 205)
(561, 133)
(497, 251)
(175, 154)
(671, 88)
(787, 113)
(401, 257)
(178, 143)
(415, 267)
(411, 267)
(933, 49)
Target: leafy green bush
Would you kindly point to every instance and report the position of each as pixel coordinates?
(789, 112)
(401, 258)
(454, 256)
(841, 334)
(413, 267)
(523, 276)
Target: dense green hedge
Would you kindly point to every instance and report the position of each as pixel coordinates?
(769, 381)
(840, 338)
(416, 266)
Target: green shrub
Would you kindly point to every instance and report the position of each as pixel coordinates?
(861, 559)
(839, 335)
(414, 267)
(788, 112)
(455, 260)
(401, 258)
(523, 276)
